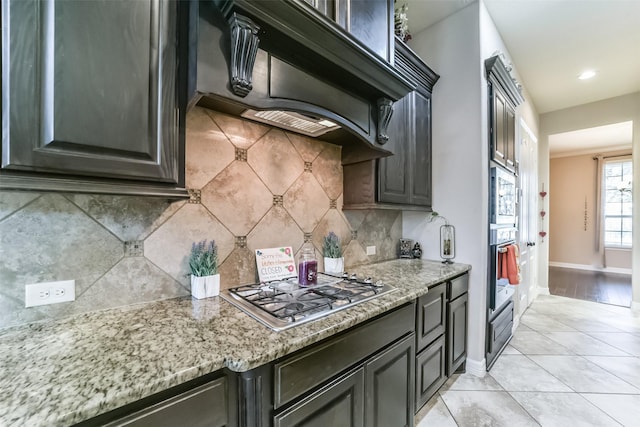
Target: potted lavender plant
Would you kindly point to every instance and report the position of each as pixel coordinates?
(203, 264)
(332, 252)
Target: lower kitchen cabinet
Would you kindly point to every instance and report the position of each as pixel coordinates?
(380, 393)
(389, 386)
(339, 403)
(430, 371)
(206, 401)
(441, 336)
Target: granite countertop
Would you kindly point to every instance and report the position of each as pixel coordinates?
(67, 371)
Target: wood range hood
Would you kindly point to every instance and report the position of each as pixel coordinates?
(274, 58)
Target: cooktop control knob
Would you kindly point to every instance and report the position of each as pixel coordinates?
(368, 281)
(353, 277)
(345, 275)
(378, 284)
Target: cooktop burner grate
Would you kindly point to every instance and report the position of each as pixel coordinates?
(284, 304)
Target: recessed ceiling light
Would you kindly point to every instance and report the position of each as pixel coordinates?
(587, 75)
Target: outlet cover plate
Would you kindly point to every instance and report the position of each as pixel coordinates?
(371, 250)
(49, 293)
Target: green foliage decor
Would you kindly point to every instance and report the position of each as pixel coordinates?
(331, 247)
(203, 260)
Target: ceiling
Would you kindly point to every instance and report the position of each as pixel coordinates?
(551, 42)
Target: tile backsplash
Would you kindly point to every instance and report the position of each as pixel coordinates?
(252, 186)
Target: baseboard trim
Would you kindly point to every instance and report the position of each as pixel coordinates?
(590, 267)
(476, 367)
(635, 306)
(542, 291)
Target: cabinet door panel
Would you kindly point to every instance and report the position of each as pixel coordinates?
(421, 179)
(431, 319)
(393, 171)
(510, 122)
(430, 371)
(499, 142)
(390, 387)
(457, 335)
(92, 88)
(341, 403)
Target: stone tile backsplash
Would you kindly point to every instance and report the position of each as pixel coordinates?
(125, 250)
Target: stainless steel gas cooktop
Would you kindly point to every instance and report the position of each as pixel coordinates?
(283, 304)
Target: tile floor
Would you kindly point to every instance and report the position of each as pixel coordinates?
(570, 363)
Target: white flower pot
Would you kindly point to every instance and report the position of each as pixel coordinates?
(205, 286)
(334, 265)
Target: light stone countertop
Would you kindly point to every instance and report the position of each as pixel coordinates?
(63, 372)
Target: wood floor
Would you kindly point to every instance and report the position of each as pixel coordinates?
(597, 286)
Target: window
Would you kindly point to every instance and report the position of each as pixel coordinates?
(618, 203)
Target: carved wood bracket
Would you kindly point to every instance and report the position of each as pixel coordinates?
(385, 111)
(244, 47)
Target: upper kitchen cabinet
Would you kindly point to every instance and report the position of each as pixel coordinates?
(403, 180)
(91, 97)
(504, 97)
(369, 21)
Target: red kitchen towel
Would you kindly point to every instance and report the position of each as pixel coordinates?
(513, 264)
(509, 264)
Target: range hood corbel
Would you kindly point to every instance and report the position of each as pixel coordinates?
(283, 55)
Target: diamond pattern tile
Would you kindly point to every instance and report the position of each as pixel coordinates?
(128, 217)
(208, 150)
(328, 170)
(242, 133)
(238, 269)
(38, 248)
(238, 198)
(169, 246)
(277, 228)
(307, 202)
(275, 161)
(308, 147)
(132, 279)
(354, 255)
(332, 221)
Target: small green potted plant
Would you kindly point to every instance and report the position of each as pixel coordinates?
(203, 264)
(332, 252)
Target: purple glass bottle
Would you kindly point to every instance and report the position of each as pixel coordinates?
(307, 266)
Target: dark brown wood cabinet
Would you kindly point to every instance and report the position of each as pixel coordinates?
(403, 180)
(93, 106)
(369, 21)
(504, 97)
(441, 336)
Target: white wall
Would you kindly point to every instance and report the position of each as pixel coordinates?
(456, 48)
(451, 47)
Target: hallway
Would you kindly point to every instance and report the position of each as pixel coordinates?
(597, 286)
(570, 363)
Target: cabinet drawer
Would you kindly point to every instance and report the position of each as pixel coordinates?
(500, 329)
(300, 373)
(203, 406)
(459, 286)
(431, 315)
(430, 372)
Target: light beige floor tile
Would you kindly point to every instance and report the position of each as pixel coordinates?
(625, 368)
(471, 382)
(519, 373)
(509, 349)
(562, 410)
(625, 341)
(536, 343)
(582, 375)
(486, 408)
(584, 345)
(623, 408)
(434, 413)
(543, 323)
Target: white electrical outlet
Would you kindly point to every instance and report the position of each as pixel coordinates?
(49, 293)
(371, 250)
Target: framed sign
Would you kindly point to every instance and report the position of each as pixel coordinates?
(275, 264)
